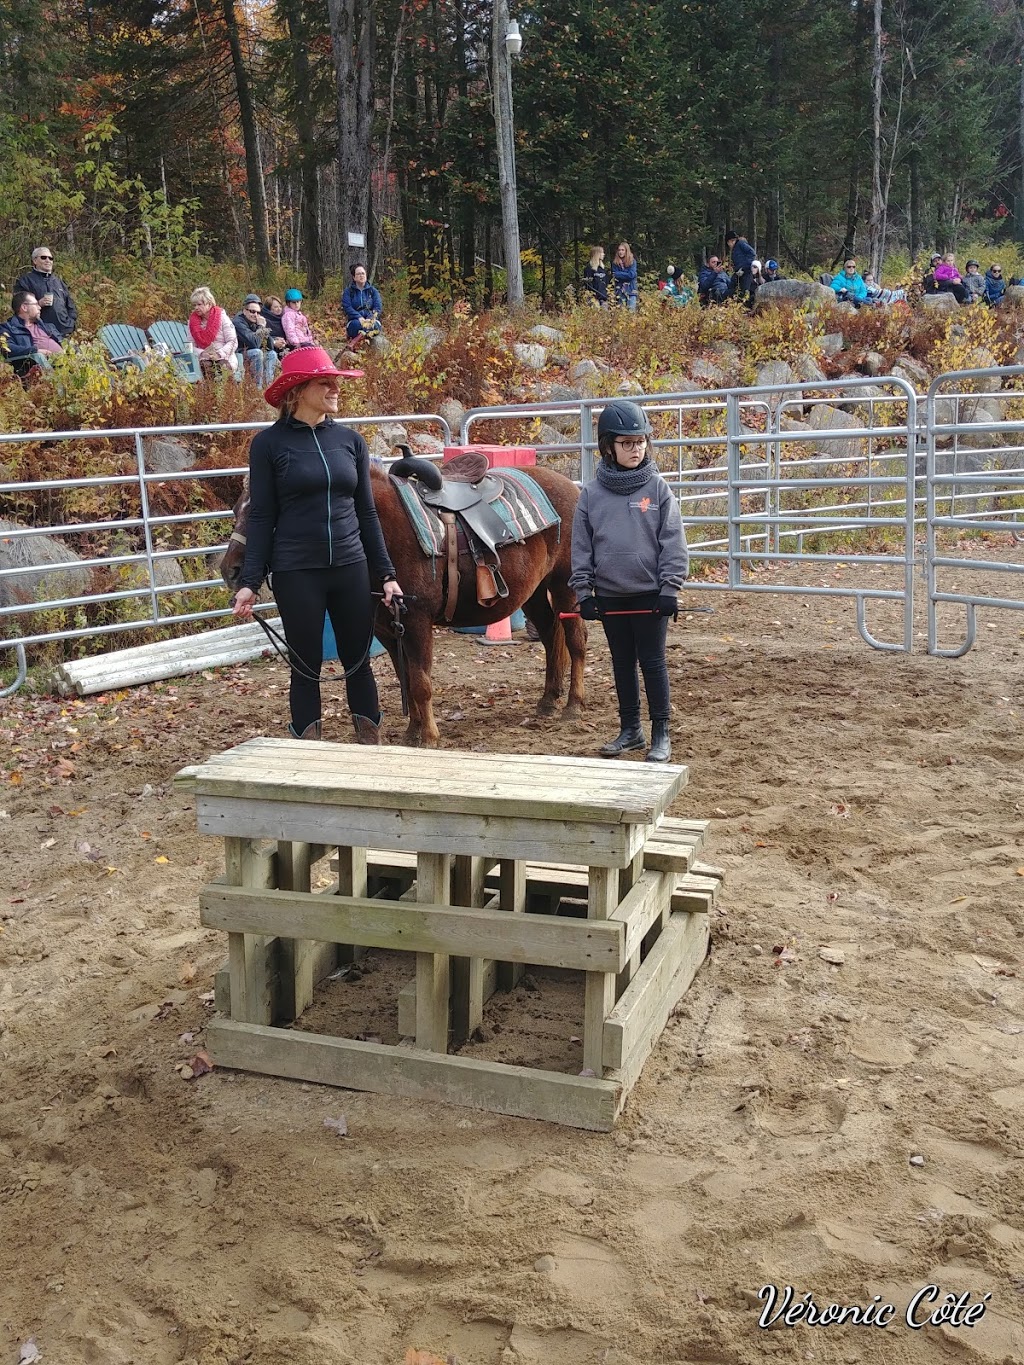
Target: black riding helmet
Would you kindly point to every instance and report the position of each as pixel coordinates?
(622, 418)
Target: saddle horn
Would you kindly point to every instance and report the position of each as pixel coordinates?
(412, 466)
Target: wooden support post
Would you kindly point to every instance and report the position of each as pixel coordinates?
(468, 888)
(602, 898)
(433, 883)
(627, 880)
(295, 955)
(511, 897)
(353, 880)
(249, 964)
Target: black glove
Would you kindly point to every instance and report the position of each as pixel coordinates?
(668, 605)
(589, 609)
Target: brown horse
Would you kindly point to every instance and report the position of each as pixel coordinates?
(537, 575)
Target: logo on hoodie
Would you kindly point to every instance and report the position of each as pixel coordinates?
(643, 505)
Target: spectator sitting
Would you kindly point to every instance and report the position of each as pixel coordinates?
(995, 285)
(947, 279)
(756, 281)
(595, 277)
(771, 271)
(624, 275)
(254, 341)
(59, 311)
(271, 314)
(876, 294)
(974, 282)
(297, 331)
(712, 283)
(743, 257)
(24, 335)
(363, 307)
(929, 282)
(212, 332)
(676, 290)
(849, 287)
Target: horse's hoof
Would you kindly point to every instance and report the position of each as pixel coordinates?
(547, 707)
(572, 711)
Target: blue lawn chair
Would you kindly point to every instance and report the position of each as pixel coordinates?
(125, 345)
(175, 336)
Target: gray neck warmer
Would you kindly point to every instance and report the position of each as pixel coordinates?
(619, 480)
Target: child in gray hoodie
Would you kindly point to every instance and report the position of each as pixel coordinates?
(629, 560)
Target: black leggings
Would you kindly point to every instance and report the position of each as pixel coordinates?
(637, 640)
(304, 597)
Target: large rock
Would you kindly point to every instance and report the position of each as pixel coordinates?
(453, 413)
(802, 293)
(551, 436)
(873, 363)
(727, 353)
(860, 397)
(167, 573)
(421, 339)
(832, 342)
(583, 369)
(707, 372)
(774, 372)
(630, 388)
(807, 369)
(982, 359)
(550, 335)
(50, 570)
(825, 417)
(913, 372)
(531, 354)
(167, 455)
(939, 303)
(1014, 297)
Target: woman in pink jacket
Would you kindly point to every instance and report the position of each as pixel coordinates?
(213, 333)
(296, 326)
(947, 279)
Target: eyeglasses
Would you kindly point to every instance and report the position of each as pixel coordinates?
(250, 310)
(42, 257)
(628, 444)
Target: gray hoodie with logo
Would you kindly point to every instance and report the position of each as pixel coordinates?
(624, 544)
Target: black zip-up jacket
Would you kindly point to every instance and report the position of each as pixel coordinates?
(311, 505)
(62, 313)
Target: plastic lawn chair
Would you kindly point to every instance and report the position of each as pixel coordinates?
(125, 345)
(175, 336)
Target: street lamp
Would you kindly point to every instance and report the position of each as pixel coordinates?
(506, 43)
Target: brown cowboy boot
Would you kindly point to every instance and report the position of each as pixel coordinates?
(312, 730)
(368, 731)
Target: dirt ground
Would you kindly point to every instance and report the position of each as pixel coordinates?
(849, 1125)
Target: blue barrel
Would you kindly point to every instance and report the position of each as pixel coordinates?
(331, 644)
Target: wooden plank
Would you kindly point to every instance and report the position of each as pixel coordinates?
(643, 1004)
(249, 966)
(407, 999)
(421, 927)
(599, 994)
(709, 870)
(628, 878)
(295, 956)
(443, 782)
(673, 822)
(669, 857)
(577, 1101)
(694, 952)
(353, 880)
(433, 974)
(642, 907)
(468, 888)
(581, 844)
(512, 894)
(695, 894)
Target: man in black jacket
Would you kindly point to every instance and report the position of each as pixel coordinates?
(743, 257)
(54, 296)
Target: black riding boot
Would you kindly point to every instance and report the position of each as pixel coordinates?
(312, 730)
(661, 745)
(630, 737)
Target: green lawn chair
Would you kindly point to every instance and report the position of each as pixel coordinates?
(126, 345)
(175, 336)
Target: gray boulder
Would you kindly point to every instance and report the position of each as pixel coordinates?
(913, 372)
(825, 417)
(860, 398)
(727, 352)
(167, 455)
(708, 372)
(939, 303)
(873, 363)
(802, 293)
(550, 335)
(49, 570)
(1014, 296)
(551, 436)
(421, 339)
(807, 369)
(774, 372)
(583, 369)
(832, 342)
(453, 413)
(167, 573)
(530, 354)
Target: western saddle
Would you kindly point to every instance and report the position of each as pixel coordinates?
(462, 497)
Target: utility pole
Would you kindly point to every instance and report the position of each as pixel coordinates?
(505, 40)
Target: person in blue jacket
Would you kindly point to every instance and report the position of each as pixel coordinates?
(849, 287)
(363, 307)
(743, 258)
(995, 285)
(712, 283)
(624, 277)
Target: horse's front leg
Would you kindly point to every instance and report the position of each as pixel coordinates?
(418, 648)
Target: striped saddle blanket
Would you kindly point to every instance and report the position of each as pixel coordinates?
(522, 505)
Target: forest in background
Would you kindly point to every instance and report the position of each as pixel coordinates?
(172, 135)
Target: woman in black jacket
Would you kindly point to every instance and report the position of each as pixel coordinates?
(314, 527)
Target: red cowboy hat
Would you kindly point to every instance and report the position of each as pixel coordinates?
(308, 362)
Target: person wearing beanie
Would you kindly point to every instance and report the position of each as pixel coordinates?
(629, 560)
(314, 527)
(254, 341)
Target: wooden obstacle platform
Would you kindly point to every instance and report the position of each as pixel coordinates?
(477, 866)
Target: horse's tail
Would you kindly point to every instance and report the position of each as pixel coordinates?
(559, 651)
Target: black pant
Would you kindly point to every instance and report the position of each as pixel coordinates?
(952, 287)
(304, 597)
(637, 640)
